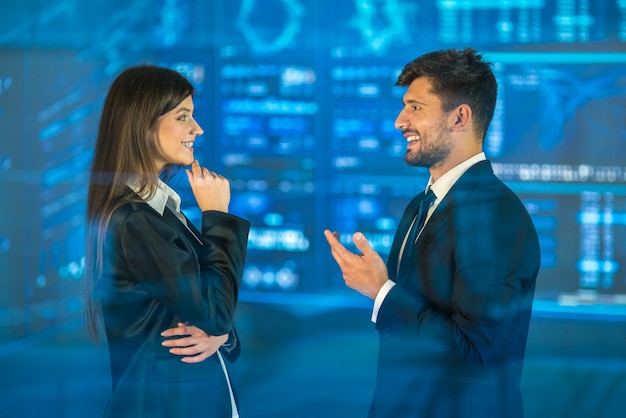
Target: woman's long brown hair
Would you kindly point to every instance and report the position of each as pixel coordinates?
(124, 149)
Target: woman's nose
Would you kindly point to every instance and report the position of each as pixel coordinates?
(197, 130)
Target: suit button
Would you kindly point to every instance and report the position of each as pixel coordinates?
(386, 332)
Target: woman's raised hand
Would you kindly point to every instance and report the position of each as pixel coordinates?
(211, 190)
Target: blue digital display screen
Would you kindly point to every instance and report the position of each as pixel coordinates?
(298, 105)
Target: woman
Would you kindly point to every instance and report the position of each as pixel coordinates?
(150, 272)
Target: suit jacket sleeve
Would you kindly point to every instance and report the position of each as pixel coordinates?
(200, 286)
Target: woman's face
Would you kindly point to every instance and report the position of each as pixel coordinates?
(175, 133)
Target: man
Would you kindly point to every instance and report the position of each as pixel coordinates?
(452, 306)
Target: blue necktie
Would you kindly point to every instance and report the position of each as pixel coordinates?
(425, 204)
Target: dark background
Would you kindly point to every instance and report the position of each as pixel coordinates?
(297, 102)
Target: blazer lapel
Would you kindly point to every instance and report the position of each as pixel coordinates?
(403, 228)
(442, 214)
(188, 231)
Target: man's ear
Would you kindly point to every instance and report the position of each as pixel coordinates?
(462, 117)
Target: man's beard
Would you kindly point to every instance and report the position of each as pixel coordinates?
(433, 150)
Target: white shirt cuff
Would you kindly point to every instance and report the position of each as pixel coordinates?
(380, 298)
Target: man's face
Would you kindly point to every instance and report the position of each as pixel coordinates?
(424, 125)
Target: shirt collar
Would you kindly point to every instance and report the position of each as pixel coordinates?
(161, 197)
(442, 186)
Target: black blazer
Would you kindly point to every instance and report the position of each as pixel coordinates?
(156, 273)
(453, 330)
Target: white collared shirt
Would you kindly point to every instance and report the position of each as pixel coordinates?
(441, 188)
(163, 197)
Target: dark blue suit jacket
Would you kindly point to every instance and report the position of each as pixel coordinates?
(156, 273)
(453, 330)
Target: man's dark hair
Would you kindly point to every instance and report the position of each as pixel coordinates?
(457, 77)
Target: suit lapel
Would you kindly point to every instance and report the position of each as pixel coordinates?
(403, 228)
(442, 214)
(187, 230)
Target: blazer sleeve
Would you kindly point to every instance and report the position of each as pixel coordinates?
(199, 286)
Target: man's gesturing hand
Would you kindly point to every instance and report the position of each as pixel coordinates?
(366, 273)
